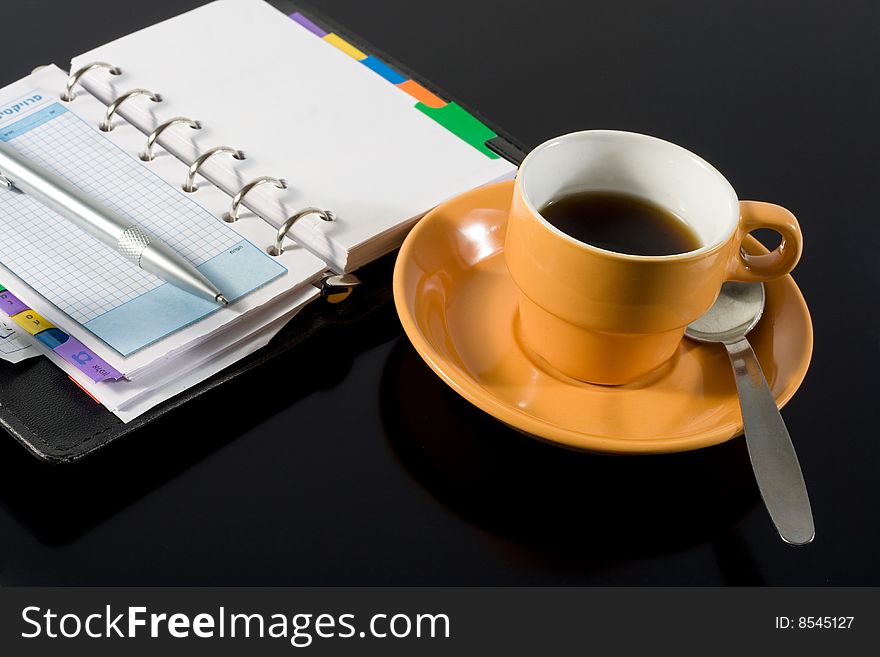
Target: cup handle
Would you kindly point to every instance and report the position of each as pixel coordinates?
(764, 267)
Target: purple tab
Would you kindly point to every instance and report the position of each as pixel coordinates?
(85, 360)
(309, 25)
(10, 304)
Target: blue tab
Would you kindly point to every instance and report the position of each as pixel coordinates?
(383, 69)
(52, 337)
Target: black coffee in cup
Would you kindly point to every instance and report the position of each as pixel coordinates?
(621, 222)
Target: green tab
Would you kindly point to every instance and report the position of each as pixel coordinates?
(2, 288)
(463, 124)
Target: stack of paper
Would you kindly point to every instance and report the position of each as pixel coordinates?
(151, 333)
(344, 136)
(347, 132)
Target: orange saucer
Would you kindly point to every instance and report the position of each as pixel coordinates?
(458, 306)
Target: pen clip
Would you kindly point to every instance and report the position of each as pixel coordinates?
(6, 182)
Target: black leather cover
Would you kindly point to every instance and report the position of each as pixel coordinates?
(57, 422)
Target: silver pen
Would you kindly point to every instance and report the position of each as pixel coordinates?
(123, 235)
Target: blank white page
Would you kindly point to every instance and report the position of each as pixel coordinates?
(343, 136)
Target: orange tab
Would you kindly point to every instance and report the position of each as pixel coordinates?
(421, 94)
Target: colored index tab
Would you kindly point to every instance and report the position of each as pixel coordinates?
(463, 124)
(308, 24)
(32, 322)
(344, 46)
(86, 361)
(421, 94)
(52, 337)
(10, 304)
(2, 287)
(380, 67)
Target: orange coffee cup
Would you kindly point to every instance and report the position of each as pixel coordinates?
(607, 317)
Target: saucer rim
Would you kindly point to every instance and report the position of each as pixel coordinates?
(547, 431)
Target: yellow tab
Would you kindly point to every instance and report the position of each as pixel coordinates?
(344, 46)
(32, 322)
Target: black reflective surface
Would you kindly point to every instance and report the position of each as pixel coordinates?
(349, 462)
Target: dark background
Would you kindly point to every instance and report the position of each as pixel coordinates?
(348, 462)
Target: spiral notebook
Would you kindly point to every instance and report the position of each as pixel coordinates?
(292, 156)
(304, 106)
(124, 306)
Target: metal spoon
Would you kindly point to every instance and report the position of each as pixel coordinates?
(777, 471)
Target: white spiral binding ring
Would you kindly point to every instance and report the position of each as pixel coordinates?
(72, 81)
(189, 184)
(147, 155)
(277, 249)
(107, 124)
(232, 215)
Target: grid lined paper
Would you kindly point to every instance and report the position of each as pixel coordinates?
(71, 269)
